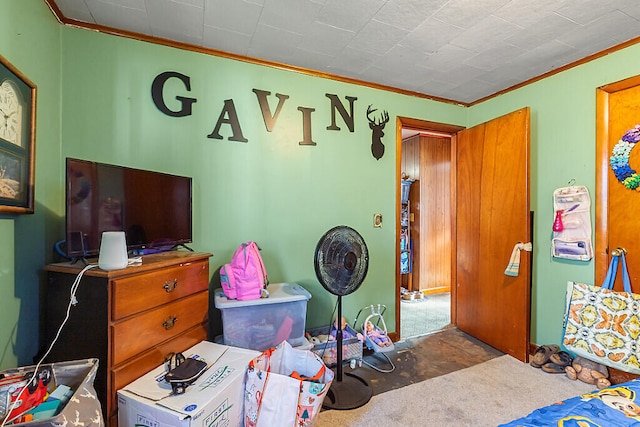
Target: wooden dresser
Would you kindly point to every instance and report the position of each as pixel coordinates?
(129, 319)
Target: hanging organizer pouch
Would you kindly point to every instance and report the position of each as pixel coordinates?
(572, 224)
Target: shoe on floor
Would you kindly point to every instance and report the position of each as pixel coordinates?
(553, 368)
(542, 355)
(561, 358)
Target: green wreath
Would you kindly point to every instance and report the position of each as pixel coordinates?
(619, 159)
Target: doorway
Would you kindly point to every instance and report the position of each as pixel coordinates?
(489, 175)
(425, 167)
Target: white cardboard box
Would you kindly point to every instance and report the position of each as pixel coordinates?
(214, 399)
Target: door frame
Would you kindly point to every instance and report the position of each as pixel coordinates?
(603, 135)
(439, 129)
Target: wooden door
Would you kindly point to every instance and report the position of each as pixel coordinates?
(616, 207)
(492, 217)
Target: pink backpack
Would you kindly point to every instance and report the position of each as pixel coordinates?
(244, 277)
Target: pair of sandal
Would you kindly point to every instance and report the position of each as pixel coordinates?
(551, 359)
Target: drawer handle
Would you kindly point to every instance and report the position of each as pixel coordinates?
(170, 285)
(170, 322)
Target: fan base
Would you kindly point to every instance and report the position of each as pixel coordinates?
(350, 393)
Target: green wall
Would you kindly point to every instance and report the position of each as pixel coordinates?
(30, 40)
(94, 102)
(270, 189)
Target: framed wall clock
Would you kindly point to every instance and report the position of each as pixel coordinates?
(17, 140)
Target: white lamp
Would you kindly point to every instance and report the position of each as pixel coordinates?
(113, 251)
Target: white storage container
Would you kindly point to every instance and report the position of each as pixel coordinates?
(263, 323)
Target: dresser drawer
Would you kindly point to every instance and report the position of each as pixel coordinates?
(154, 357)
(140, 292)
(136, 334)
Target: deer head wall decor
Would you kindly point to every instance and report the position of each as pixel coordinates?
(377, 147)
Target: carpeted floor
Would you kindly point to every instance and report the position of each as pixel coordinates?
(424, 316)
(484, 395)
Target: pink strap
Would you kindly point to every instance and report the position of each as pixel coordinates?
(254, 246)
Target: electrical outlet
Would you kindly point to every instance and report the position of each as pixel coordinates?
(377, 220)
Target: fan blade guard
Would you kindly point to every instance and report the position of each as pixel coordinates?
(341, 260)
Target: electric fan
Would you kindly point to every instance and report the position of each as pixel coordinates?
(341, 264)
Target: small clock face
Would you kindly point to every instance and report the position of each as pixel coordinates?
(10, 113)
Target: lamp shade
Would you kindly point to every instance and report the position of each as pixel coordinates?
(113, 251)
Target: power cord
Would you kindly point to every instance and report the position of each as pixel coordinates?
(326, 344)
(137, 260)
(72, 302)
(57, 246)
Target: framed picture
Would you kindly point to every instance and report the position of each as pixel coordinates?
(17, 140)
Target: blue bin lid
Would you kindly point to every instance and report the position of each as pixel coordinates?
(278, 293)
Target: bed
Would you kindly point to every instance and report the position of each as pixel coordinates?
(618, 405)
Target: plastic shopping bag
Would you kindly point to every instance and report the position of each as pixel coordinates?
(285, 386)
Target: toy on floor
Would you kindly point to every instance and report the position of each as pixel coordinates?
(589, 372)
(347, 333)
(324, 344)
(374, 330)
(376, 335)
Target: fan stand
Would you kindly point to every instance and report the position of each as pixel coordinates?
(350, 391)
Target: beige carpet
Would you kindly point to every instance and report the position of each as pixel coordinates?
(487, 394)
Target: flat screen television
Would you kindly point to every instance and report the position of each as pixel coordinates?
(152, 208)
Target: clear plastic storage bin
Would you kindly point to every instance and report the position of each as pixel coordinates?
(263, 323)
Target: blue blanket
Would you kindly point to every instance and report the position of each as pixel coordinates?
(618, 405)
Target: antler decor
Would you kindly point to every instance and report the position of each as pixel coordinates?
(377, 147)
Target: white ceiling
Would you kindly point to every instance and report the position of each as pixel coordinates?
(457, 50)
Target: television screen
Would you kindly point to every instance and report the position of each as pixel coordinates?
(152, 208)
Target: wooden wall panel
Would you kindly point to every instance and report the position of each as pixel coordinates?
(427, 159)
(435, 200)
(416, 220)
(411, 157)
